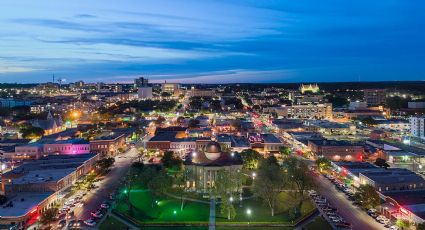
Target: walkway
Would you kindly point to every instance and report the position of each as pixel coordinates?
(212, 215)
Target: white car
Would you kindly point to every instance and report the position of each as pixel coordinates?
(90, 222)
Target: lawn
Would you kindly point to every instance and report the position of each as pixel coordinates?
(111, 223)
(318, 223)
(260, 212)
(164, 211)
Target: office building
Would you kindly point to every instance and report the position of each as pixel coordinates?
(374, 97)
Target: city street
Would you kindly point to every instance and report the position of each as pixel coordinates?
(95, 197)
(359, 219)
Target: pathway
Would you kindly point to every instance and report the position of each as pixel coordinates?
(212, 215)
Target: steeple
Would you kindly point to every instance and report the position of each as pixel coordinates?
(49, 116)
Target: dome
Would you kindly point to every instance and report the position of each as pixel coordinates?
(213, 147)
(212, 150)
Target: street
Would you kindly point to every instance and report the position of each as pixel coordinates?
(359, 219)
(111, 181)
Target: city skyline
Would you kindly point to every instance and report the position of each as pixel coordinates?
(212, 41)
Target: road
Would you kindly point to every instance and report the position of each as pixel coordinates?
(359, 219)
(94, 198)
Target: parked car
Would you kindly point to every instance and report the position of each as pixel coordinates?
(90, 222)
(61, 224)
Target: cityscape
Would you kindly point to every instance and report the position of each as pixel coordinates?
(205, 115)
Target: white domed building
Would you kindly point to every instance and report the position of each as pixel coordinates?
(201, 168)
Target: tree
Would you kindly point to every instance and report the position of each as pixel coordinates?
(250, 158)
(141, 151)
(104, 164)
(298, 175)
(226, 184)
(420, 226)
(31, 132)
(179, 183)
(381, 163)
(323, 163)
(48, 216)
(285, 151)
(269, 183)
(367, 196)
(160, 183)
(227, 208)
(402, 223)
(170, 161)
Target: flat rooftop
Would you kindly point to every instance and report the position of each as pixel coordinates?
(334, 143)
(23, 203)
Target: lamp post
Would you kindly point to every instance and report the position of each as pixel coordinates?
(248, 212)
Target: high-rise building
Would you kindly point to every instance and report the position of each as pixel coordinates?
(417, 127)
(140, 82)
(374, 96)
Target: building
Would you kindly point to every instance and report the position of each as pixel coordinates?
(173, 88)
(108, 145)
(25, 152)
(357, 105)
(392, 179)
(416, 104)
(140, 82)
(50, 125)
(38, 185)
(417, 127)
(265, 142)
(337, 150)
(399, 155)
(314, 111)
(399, 125)
(144, 92)
(10, 103)
(70, 146)
(312, 88)
(201, 93)
(374, 96)
(330, 128)
(203, 168)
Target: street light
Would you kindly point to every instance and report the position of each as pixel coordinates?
(231, 199)
(254, 175)
(248, 212)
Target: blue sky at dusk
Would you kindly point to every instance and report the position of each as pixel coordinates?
(203, 41)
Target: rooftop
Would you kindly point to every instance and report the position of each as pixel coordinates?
(334, 143)
(23, 203)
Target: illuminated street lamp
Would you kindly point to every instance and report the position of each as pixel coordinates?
(248, 212)
(254, 175)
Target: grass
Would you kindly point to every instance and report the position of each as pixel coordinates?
(260, 212)
(166, 211)
(318, 223)
(111, 223)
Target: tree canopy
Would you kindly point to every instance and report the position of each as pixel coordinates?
(250, 158)
(269, 182)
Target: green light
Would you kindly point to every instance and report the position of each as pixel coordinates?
(125, 191)
(174, 212)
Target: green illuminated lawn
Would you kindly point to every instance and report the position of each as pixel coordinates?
(261, 212)
(166, 211)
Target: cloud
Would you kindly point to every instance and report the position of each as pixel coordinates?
(85, 16)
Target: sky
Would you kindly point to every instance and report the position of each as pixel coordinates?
(205, 41)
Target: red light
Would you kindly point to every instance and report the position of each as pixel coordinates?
(33, 211)
(404, 211)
